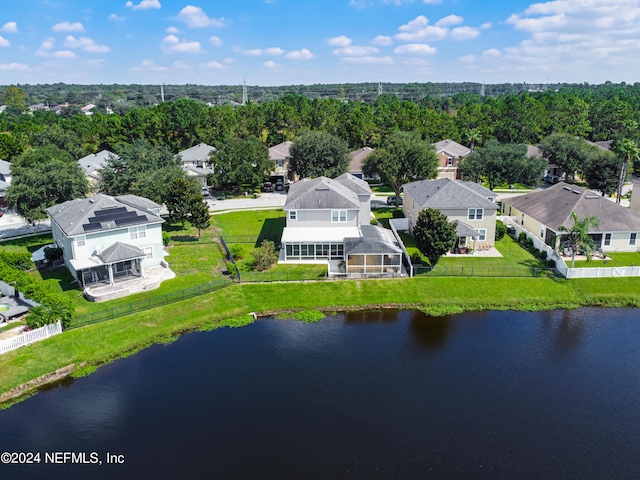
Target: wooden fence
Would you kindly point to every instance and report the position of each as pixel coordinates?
(32, 336)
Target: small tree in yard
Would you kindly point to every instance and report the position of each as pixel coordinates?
(434, 234)
(577, 236)
(265, 256)
(199, 216)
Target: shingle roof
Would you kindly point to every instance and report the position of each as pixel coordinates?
(452, 148)
(553, 206)
(5, 167)
(100, 213)
(465, 230)
(197, 153)
(136, 201)
(533, 152)
(445, 194)
(374, 240)
(354, 183)
(119, 252)
(320, 193)
(280, 151)
(95, 161)
(357, 157)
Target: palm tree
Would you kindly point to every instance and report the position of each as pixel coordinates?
(474, 136)
(577, 237)
(629, 151)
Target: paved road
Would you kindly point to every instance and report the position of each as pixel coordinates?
(12, 225)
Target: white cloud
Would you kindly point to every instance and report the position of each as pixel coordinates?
(415, 49)
(63, 54)
(4, 42)
(144, 5)
(449, 20)
(465, 33)
(68, 27)
(382, 41)
(257, 52)
(13, 67)
(172, 30)
(492, 52)
(86, 44)
(538, 24)
(355, 51)
(172, 44)
(9, 27)
(149, 65)
(341, 41)
(432, 2)
(216, 41)
(115, 18)
(96, 62)
(303, 54)
(486, 26)
(468, 59)
(271, 64)
(229, 60)
(419, 29)
(194, 17)
(213, 65)
(369, 60)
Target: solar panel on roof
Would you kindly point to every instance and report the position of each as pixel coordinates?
(109, 211)
(113, 216)
(88, 227)
(130, 220)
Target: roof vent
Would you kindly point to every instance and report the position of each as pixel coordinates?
(593, 196)
(568, 189)
(92, 200)
(576, 191)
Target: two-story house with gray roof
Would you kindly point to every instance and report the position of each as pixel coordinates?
(195, 161)
(469, 205)
(280, 155)
(92, 164)
(108, 239)
(449, 155)
(328, 221)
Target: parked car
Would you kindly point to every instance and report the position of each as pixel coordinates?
(391, 200)
(1, 213)
(279, 186)
(205, 191)
(267, 187)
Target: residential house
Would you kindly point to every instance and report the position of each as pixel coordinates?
(5, 178)
(543, 211)
(449, 155)
(357, 159)
(92, 164)
(280, 154)
(106, 240)
(469, 205)
(328, 221)
(195, 161)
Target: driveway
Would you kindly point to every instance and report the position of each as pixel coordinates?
(264, 201)
(12, 225)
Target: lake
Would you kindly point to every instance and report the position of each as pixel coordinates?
(391, 394)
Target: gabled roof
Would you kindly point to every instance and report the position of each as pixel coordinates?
(445, 194)
(280, 151)
(465, 230)
(136, 201)
(357, 157)
(197, 153)
(119, 252)
(95, 161)
(354, 183)
(552, 207)
(101, 213)
(372, 240)
(534, 152)
(320, 193)
(451, 148)
(5, 168)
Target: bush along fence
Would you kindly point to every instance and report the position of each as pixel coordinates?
(233, 268)
(31, 336)
(156, 301)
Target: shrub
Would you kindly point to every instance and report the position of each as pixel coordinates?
(265, 256)
(52, 253)
(522, 238)
(416, 259)
(374, 221)
(17, 260)
(398, 213)
(166, 239)
(501, 230)
(236, 251)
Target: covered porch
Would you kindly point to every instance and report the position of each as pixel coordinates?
(467, 236)
(117, 263)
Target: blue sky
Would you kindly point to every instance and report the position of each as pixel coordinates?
(284, 42)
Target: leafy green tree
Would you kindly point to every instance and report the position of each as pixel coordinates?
(316, 154)
(629, 151)
(566, 151)
(434, 234)
(237, 162)
(577, 235)
(199, 216)
(404, 158)
(178, 199)
(601, 171)
(141, 169)
(14, 97)
(474, 136)
(43, 177)
(265, 256)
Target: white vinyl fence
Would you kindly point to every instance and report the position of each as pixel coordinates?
(25, 338)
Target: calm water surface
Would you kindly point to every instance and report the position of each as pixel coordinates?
(365, 395)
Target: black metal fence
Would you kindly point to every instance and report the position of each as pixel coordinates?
(148, 304)
(440, 271)
(229, 255)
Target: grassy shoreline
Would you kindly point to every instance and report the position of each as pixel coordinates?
(81, 351)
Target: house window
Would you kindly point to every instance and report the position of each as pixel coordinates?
(632, 238)
(542, 233)
(449, 161)
(522, 219)
(476, 213)
(462, 241)
(280, 163)
(293, 215)
(509, 211)
(138, 232)
(81, 241)
(492, 199)
(607, 239)
(338, 216)
(148, 252)
(482, 234)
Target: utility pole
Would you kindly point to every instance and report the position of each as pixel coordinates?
(245, 96)
(162, 93)
(379, 88)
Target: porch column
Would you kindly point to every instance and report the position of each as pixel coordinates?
(110, 267)
(141, 268)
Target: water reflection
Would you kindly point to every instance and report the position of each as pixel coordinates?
(429, 334)
(568, 327)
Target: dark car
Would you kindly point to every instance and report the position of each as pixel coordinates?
(279, 186)
(267, 187)
(1, 213)
(391, 200)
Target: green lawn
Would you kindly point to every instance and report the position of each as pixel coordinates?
(261, 223)
(617, 259)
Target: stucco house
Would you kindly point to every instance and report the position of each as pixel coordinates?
(357, 159)
(106, 240)
(5, 178)
(469, 205)
(543, 211)
(449, 155)
(280, 155)
(328, 221)
(92, 164)
(195, 161)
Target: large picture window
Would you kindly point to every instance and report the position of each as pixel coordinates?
(475, 214)
(338, 216)
(138, 232)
